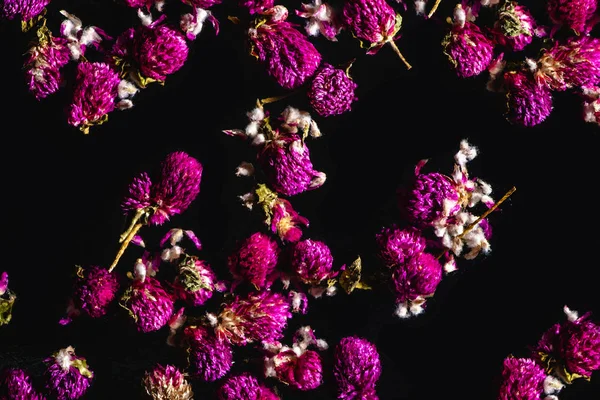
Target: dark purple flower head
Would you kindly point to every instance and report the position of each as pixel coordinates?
(287, 165)
(95, 288)
(255, 260)
(311, 261)
(209, 357)
(304, 372)
(159, 51)
(373, 21)
(529, 103)
(93, 96)
(467, 48)
(331, 91)
(195, 281)
(288, 55)
(68, 376)
(149, 305)
(28, 9)
(571, 348)
(244, 386)
(417, 278)
(357, 369)
(397, 246)
(572, 64)
(522, 379)
(254, 317)
(167, 383)
(574, 14)
(257, 6)
(16, 384)
(515, 26)
(46, 58)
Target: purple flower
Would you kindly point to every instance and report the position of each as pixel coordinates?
(28, 9)
(288, 55)
(255, 260)
(195, 281)
(287, 165)
(522, 379)
(397, 246)
(285, 221)
(357, 369)
(529, 103)
(574, 14)
(417, 277)
(515, 26)
(16, 384)
(257, 6)
(7, 300)
(244, 386)
(159, 51)
(331, 91)
(572, 64)
(209, 357)
(167, 382)
(149, 305)
(94, 95)
(311, 261)
(254, 317)
(68, 376)
(94, 289)
(467, 48)
(321, 19)
(46, 58)
(302, 372)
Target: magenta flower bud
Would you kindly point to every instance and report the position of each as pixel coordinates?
(375, 22)
(357, 369)
(288, 55)
(311, 261)
(254, 317)
(467, 48)
(515, 26)
(149, 305)
(43, 67)
(67, 376)
(287, 166)
(529, 103)
(522, 379)
(94, 95)
(27, 9)
(574, 14)
(209, 357)
(257, 6)
(569, 65)
(16, 384)
(255, 260)
(304, 372)
(195, 281)
(167, 383)
(94, 289)
(285, 221)
(244, 386)
(159, 51)
(417, 278)
(397, 246)
(331, 91)
(7, 300)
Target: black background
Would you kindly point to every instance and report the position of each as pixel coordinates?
(62, 190)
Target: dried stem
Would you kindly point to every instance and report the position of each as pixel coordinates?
(273, 99)
(397, 51)
(434, 8)
(132, 232)
(136, 218)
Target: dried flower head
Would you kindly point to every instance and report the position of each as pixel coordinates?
(574, 14)
(413, 281)
(255, 260)
(467, 48)
(159, 51)
(16, 384)
(528, 102)
(167, 383)
(27, 9)
(357, 369)
(311, 261)
(257, 6)
(288, 55)
(253, 317)
(522, 379)
(331, 91)
(209, 357)
(591, 104)
(195, 281)
(93, 96)
(515, 26)
(244, 386)
(67, 376)
(397, 246)
(322, 19)
(7, 300)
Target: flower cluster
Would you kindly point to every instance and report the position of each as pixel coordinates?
(569, 61)
(567, 351)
